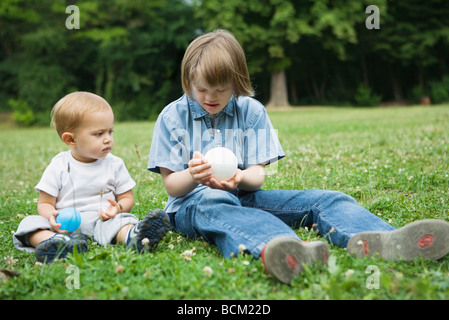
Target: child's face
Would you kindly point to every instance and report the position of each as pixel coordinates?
(93, 139)
(213, 100)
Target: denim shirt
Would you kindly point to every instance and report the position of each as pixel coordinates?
(184, 127)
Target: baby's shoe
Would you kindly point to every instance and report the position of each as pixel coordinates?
(57, 247)
(147, 233)
(424, 238)
(284, 257)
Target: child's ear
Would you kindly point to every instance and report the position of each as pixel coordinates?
(68, 138)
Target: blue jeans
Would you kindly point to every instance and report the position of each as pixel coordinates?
(229, 219)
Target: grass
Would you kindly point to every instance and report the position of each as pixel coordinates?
(394, 161)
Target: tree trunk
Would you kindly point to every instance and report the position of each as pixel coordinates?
(364, 70)
(278, 90)
(110, 82)
(397, 89)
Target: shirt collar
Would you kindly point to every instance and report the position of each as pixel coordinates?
(198, 111)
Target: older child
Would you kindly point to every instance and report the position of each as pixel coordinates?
(91, 179)
(217, 111)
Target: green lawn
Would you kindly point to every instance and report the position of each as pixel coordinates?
(394, 161)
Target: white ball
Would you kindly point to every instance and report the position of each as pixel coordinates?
(223, 161)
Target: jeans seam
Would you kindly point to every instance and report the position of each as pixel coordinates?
(323, 216)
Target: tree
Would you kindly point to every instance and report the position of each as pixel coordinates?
(268, 28)
(127, 51)
(263, 28)
(34, 57)
(298, 51)
(414, 35)
(137, 51)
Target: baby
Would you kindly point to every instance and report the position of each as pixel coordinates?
(91, 179)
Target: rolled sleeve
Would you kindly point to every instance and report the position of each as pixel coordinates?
(169, 147)
(261, 139)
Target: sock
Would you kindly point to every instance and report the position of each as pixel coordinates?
(128, 234)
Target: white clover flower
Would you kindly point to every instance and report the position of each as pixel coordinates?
(349, 273)
(188, 254)
(145, 242)
(207, 271)
(10, 261)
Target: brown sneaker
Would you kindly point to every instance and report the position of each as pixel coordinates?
(424, 238)
(284, 257)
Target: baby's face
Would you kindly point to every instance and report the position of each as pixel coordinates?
(213, 100)
(93, 138)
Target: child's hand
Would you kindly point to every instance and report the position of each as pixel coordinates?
(111, 211)
(199, 169)
(53, 222)
(231, 184)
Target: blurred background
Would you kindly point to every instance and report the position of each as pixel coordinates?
(299, 53)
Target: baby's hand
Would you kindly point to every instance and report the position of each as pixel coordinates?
(200, 169)
(53, 222)
(111, 211)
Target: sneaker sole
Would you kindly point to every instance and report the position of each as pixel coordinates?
(425, 238)
(284, 257)
(153, 227)
(56, 249)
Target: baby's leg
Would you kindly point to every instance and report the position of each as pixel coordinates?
(34, 229)
(39, 236)
(114, 229)
(122, 235)
(125, 228)
(35, 234)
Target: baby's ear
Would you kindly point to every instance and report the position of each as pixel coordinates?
(68, 138)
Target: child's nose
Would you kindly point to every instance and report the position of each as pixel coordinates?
(211, 96)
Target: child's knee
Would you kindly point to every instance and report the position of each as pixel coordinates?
(329, 197)
(27, 226)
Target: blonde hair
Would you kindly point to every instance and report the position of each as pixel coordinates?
(69, 111)
(219, 60)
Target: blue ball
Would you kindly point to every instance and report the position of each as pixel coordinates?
(69, 218)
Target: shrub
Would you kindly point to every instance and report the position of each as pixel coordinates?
(23, 114)
(364, 97)
(439, 90)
